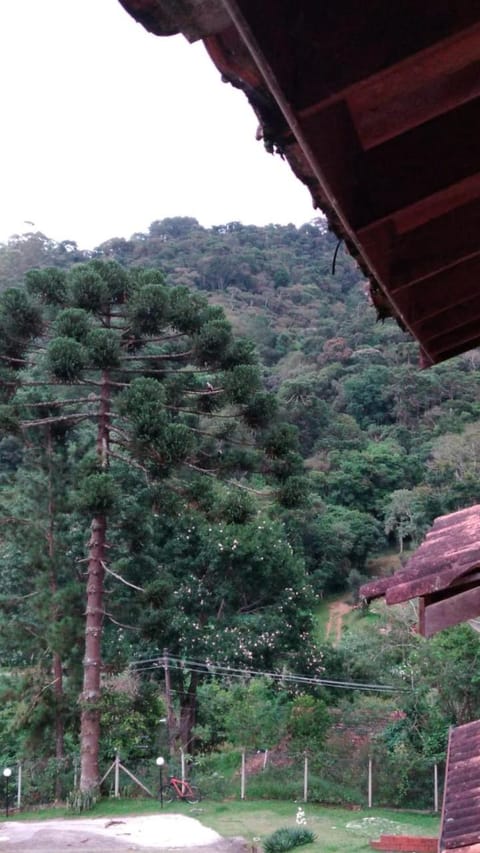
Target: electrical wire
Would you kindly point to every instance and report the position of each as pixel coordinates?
(212, 669)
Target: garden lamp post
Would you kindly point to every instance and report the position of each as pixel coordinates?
(7, 773)
(160, 761)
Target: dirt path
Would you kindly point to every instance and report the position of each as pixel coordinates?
(337, 610)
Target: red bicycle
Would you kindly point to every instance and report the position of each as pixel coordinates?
(180, 789)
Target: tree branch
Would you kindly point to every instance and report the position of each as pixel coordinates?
(119, 578)
(128, 462)
(94, 398)
(120, 624)
(57, 419)
(159, 356)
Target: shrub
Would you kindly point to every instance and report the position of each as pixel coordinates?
(81, 801)
(274, 784)
(287, 838)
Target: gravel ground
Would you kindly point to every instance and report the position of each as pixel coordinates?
(143, 834)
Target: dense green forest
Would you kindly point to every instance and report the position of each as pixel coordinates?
(347, 453)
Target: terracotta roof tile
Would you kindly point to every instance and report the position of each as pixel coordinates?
(460, 830)
(450, 551)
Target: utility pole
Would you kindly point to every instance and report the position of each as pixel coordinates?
(171, 721)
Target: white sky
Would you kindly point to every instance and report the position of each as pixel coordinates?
(107, 128)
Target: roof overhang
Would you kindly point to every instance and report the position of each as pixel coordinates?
(444, 574)
(460, 829)
(376, 107)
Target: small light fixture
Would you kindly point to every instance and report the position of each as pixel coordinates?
(160, 761)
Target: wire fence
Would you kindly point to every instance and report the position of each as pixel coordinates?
(359, 779)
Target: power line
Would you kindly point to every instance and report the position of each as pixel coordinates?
(213, 669)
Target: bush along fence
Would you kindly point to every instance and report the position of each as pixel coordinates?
(324, 778)
(331, 779)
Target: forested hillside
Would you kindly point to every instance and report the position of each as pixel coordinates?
(366, 451)
(389, 446)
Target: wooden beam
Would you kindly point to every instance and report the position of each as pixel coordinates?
(410, 110)
(443, 355)
(440, 292)
(413, 166)
(437, 578)
(416, 89)
(453, 319)
(318, 50)
(451, 611)
(421, 616)
(334, 143)
(437, 204)
(438, 244)
(456, 341)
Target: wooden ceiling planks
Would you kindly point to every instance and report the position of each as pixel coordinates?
(376, 106)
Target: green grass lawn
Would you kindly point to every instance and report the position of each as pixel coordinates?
(337, 829)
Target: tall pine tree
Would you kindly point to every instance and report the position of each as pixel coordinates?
(157, 373)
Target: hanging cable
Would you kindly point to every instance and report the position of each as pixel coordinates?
(222, 670)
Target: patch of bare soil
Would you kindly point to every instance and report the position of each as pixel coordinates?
(336, 613)
(147, 834)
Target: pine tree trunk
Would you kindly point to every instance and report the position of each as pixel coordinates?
(57, 661)
(92, 664)
(90, 716)
(59, 724)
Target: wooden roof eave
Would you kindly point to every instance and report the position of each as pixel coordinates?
(442, 578)
(376, 107)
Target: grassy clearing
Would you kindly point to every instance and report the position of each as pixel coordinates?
(337, 830)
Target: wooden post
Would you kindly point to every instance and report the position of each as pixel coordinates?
(305, 779)
(435, 787)
(19, 786)
(182, 759)
(265, 759)
(134, 778)
(242, 785)
(369, 783)
(168, 700)
(117, 775)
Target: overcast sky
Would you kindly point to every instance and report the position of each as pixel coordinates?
(107, 128)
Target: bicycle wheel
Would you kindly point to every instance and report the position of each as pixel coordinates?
(194, 795)
(168, 794)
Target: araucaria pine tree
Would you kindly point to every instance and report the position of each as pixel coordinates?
(157, 373)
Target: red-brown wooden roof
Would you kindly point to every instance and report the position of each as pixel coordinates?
(444, 573)
(460, 830)
(376, 106)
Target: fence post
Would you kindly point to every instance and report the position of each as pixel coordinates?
(242, 785)
(117, 774)
(305, 779)
(369, 783)
(19, 786)
(182, 759)
(435, 787)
